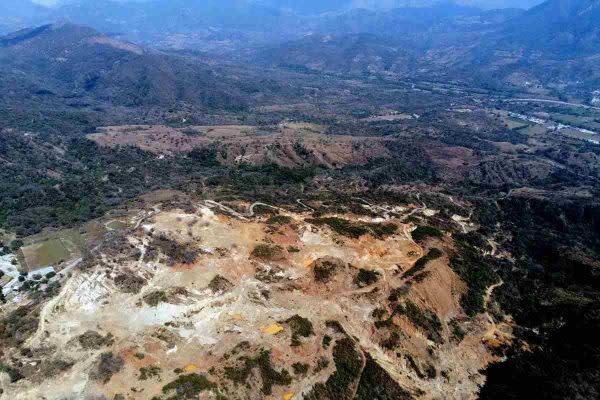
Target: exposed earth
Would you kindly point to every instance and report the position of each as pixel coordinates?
(192, 297)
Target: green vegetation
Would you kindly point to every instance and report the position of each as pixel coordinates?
(392, 341)
(279, 220)
(341, 226)
(301, 150)
(108, 364)
(478, 274)
(382, 230)
(424, 319)
(322, 363)
(178, 253)
(13, 373)
(269, 375)
(149, 372)
(301, 327)
(348, 363)
(427, 320)
(324, 270)
(376, 384)
(219, 284)
(266, 251)
(366, 277)
(421, 263)
(458, 333)
(155, 297)
(93, 340)
(50, 252)
(300, 368)
(424, 232)
(19, 325)
(187, 387)
(354, 229)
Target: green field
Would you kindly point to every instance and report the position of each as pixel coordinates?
(52, 248)
(50, 252)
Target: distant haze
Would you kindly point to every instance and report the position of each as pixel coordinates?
(378, 4)
(486, 4)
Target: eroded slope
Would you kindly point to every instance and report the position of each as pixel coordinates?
(198, 299)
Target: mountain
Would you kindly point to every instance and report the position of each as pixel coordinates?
(308, 7)
(562, 27)
(364, 41)
(353, 54)
(556, 44)
(483, 4)
(67, 61)
(231, 24)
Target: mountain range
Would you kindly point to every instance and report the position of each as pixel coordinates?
(554, 44)
(146, 17)
(61, 67)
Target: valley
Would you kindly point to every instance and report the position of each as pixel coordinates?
(282, 201)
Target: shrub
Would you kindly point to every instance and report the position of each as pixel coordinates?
(301, 327)
(432, 254)
(108, 364)
(323, 270)
(266, 251)
(458, 333)
(477, 273)
(352, 229)
(341, 226)
(424, 232)
(279, 220)
(149, 372)
(366, 277)
(348, 364)
(188, 387)
(424, 319)
(300, 368)
(13, 373)
(262, 361)
(391, 342)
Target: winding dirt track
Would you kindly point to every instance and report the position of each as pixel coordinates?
(245, 216)
(493, 330)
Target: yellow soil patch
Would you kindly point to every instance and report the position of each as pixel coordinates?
(272, 329)
(237, 317)
(190, 368)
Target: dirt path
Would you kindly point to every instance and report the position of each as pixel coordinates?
(304, 205)
(229, 210)
(494, 247)
(492, 332)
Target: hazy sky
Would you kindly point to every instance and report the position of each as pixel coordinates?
(394, 3)
(46, 2)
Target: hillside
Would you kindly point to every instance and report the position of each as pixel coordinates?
(73, 62)
(563, 28)
(370, 204)
(353, 54)
(554, 45)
